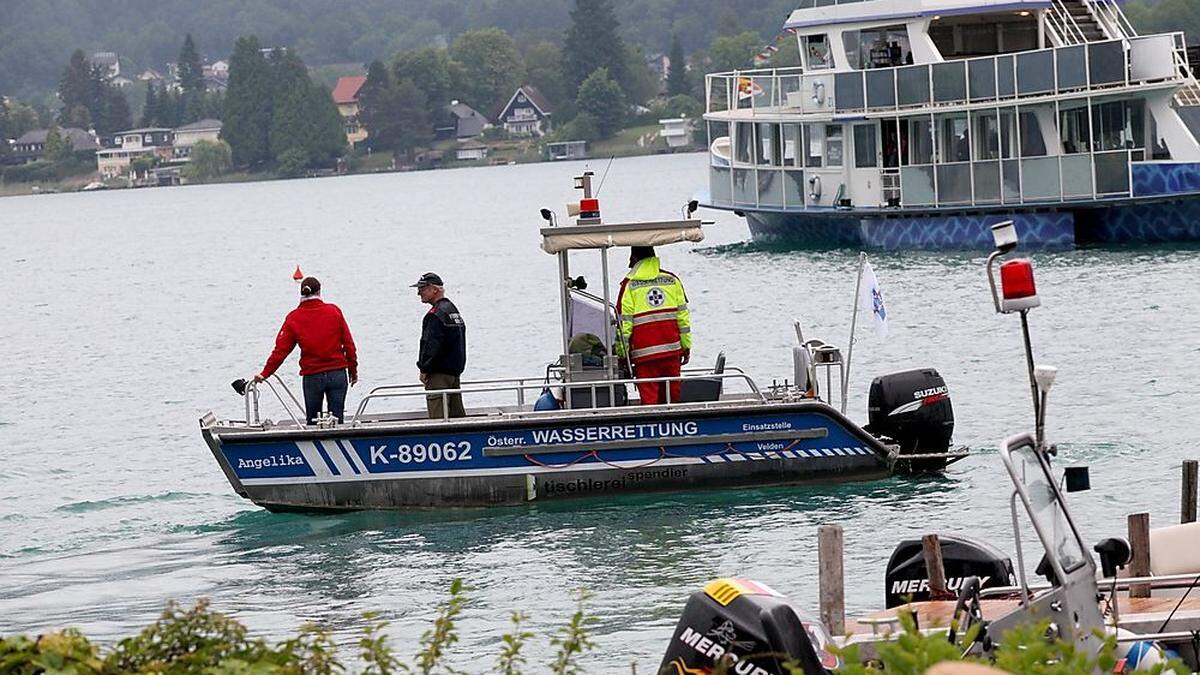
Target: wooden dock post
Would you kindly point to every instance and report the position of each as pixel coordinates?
(1187, 507)
(831, 582)
(931, 546)
(1139, 542)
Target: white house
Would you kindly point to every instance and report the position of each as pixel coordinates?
(131, 144)
(676, 131)
(470, 150)
(190, 134)
(527, 113)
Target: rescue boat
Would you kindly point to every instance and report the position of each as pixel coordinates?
(579, 429)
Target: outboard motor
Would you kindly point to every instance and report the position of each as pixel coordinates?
(751, 629)
(912, 408)
(907, 578)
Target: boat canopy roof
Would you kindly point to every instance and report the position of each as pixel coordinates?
(813, 13)
(574, 237)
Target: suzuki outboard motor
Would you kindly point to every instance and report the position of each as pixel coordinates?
(907, 578)
(912, 408)
(751, 629)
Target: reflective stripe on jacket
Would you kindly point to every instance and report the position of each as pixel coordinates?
(654, 318)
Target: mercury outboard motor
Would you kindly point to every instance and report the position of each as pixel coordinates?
(748, 627)
(907, 578)
(912, 408)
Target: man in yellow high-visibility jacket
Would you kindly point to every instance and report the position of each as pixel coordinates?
(655, 325)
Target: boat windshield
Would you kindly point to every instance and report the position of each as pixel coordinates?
(1046, 510)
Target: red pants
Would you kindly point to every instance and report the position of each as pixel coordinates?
(653, 393)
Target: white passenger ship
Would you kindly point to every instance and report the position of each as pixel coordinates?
(920, 123)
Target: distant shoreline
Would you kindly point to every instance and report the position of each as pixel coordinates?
(74, 184)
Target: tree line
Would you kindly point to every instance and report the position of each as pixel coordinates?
(34, 34)
(189, 101)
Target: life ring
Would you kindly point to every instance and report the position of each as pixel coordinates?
(814, 188)
(818, 95)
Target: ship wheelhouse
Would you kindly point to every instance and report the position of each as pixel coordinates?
(922, 106)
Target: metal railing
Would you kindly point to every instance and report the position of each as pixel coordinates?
(1095, 66)
(1061, 24)
(519, 386)
(1112, 18)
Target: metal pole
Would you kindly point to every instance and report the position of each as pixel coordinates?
(564, 276)
(608, 340)
(1033, 388)
(862, 258)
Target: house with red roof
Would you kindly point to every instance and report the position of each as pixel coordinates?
(345, 96)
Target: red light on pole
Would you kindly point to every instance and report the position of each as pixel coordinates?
(1017, 287)
(589, 207)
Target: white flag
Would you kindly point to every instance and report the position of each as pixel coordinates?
(870, 299)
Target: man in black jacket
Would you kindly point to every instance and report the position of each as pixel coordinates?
(443, 348)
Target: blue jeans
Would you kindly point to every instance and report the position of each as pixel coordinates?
(330, 386)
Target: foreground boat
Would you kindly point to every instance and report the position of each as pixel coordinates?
(577, 430)
(738, 625)
(919, 124)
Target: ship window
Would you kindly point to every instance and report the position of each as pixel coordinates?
(743, 138)
(865, 148)
(814, 144)
(1032, 143)
(817, 52)
(883, 47)
(1008, 135)
(954, 138)
(987, 135)
(984, 34)
(834, 149)
(790, 140)
(768, 144)
(1073, 129)
(1119, 125)
(916, 134)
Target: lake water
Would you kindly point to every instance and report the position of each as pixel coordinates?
(128, 313)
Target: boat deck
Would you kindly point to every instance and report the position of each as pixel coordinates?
(1137, 614)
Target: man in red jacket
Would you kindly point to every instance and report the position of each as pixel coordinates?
(327, 351)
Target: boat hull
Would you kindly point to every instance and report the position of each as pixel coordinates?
(484, 462)
(1150, 221)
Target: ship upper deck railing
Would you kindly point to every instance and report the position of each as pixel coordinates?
(1080, 69)
(504, 396)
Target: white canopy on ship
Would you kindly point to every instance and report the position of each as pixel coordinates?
(574, 237)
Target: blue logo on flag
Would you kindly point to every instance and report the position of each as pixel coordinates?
(879, 310)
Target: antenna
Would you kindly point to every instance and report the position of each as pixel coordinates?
(606, 168)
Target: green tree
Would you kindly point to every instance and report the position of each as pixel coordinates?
(209, 159)
(248, 112)
(491, 65)
(413, 128)
(21, 119)
(114, 112)
(5, 148)
(735, 52)
(678, 79)
(374, 99)
(640, 84)
(303, 115)
(150, 107)
(293, 163)
(75, 90)
(58, 148)
(544, 70)
(434, 72)
(190, 68)
(592, 42)
(601, 96)
(683, 106)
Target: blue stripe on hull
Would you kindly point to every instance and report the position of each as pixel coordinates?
(415, 455)
(1053, 230)
(1158, 221)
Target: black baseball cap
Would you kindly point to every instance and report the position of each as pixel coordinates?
(428, 279)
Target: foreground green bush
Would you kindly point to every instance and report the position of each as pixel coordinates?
(200, 640)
